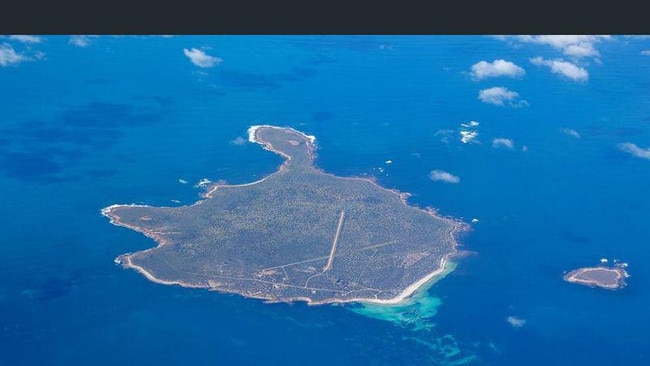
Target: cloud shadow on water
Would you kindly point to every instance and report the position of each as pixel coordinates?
(55, 288)
(322, 116)
(259, 81)
(248, 80)
(41, 150)
(358, 43)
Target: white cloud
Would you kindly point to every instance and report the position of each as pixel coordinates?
(468, 136)
(577, 46)
(470, 124)
(238, 141)
(200, 58)
(443, 176)
(645, 52)
(25, 38)
(580, 50)
(633, 149)
(496, 68)
(499, 96)
(564, 68)
(571, 132)
(516, 322)
(202, 183)
(469, 133)
(503, 142)
(9, 56)
(80, 41)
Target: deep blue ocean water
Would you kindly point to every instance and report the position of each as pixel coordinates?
(124, 118)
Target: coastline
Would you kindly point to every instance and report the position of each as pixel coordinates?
(150, 277)
(445, 267)
(572, 277)
(402, 298)
(399, 300)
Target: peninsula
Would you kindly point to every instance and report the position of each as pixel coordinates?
(299, 234)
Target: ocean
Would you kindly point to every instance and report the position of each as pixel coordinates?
(545, 155)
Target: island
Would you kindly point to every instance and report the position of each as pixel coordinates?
(298, 234)
(604, 277)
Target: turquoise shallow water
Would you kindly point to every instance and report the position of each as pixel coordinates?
(123, 119)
